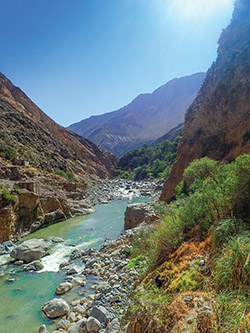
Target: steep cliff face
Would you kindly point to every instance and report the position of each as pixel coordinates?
(37, 138)
(145, 119)
(217, 124)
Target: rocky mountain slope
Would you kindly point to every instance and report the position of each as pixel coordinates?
(217, 124)
(28, 133)
(146, 118)
(44, 168)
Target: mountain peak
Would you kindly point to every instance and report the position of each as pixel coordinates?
(146, 118)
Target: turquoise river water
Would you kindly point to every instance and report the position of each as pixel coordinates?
(21, 300)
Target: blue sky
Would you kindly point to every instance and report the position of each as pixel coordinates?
(76, 58)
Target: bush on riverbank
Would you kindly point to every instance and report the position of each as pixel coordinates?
(213, 199)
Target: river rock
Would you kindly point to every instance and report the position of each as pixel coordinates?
(100, 313)
(138, 213)
(42, 329)
(77, 253)
(30, 250)
(57, 240)
(57, 307)
(35, 265)
(114, 326)
(78, 327)
(63, 288)
(93, 325)
(6, 247)
(72, 270)
(63, 323)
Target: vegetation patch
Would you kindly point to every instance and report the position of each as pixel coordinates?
(8, 152)
(232, 268)
(232, 312)
(6, 198)
(148, 161)
(202, 245)
(67, 175)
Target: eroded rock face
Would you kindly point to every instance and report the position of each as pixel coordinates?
(7, 223)
(57, 307)
(30, 250)
(217, 123)
(138, 213)
(30, 208)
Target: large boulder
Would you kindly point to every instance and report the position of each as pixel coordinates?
(30, 250)
(57, 307)
(138, 213)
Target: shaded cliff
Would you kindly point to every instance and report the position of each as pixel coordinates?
(33, 136)
(145, 119)
(217, 124)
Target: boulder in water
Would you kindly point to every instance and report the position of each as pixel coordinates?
(63, 288)
(43, 329)
(30, 250)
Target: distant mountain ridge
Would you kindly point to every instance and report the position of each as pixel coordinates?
(145, 119)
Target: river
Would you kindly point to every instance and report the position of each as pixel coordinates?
(21, 300)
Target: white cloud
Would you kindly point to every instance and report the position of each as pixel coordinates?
(196, 10)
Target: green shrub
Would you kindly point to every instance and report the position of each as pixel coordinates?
(160, 207)
(123, 174)
(231, 312)
(167, 237)
(232, 267)
(16, 188)
(152, 294)
(135, 262)
(6, 198)
(141, 244)
(67, 175)
(190, 279)
(200, 169)
(227, 228)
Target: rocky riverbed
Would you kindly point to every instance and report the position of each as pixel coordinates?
(107, 190)
(39, 203)
(106, 268)
(103, 310)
